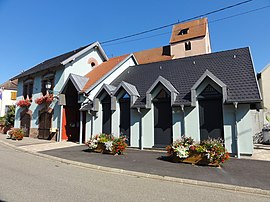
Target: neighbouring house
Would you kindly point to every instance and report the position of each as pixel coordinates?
(210, 95)
(264, 78)
(8, 94)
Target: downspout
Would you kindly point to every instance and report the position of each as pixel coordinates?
(92, 127)
(236, 131)
(184, 128)
(81, 127)
(59, 137)
(140, 127)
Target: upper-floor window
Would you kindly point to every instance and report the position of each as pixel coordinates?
(187, 45)
(93, 62)
(28, 88)
(47, 83)
(183, 31)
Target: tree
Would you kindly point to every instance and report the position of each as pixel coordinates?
(10, 116)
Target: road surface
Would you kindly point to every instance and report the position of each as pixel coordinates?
(26, 177)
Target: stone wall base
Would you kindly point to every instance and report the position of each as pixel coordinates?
(33, 133)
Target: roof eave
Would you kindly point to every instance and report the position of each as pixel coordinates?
(76, 55)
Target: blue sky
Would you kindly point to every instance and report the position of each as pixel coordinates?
(33, 31)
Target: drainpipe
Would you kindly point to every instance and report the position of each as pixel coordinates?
(59, 136)
(184, 129)
(81, 127)
(92, 127)
(236, 131)
(140, 127)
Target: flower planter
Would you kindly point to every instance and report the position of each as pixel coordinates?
(194, 159)
(100, 148)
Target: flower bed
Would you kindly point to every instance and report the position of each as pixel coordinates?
(23, 103)
(107, 144)
(210, 152)
(48, 98)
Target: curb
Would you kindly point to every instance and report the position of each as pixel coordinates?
(146, 175)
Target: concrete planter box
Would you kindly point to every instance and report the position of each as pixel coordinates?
(266, 136)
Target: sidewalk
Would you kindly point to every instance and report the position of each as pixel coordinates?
(242, 172)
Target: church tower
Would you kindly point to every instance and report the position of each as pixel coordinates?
(190, 38)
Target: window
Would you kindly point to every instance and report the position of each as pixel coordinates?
(28, 89)
(184, 31)
(187, 45)
(93, 64)
(13, 95)
(47, 78)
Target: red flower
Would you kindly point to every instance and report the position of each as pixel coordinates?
(23, 103)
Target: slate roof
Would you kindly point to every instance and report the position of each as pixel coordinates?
(232, 67)
(78, 81)
(50, 63)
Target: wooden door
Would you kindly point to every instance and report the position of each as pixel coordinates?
(45, 123)
(25, 122)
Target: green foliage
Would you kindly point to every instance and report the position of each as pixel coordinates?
(10, 116)
(267, 117)
(105, 137)
(2, 119)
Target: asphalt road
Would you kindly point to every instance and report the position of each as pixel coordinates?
(26, 177)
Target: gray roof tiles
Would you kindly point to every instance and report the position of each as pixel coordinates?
(50, 63)
(234, 68)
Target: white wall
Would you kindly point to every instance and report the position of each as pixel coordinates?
(177, 121)
(244, 128)
(80, 65)
(192, 122)
(135, 118)
(148, 127)
(6, 100)
(116, 121)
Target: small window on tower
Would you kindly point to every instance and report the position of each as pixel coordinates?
(187, 45)
(183, 31)
(93, 64)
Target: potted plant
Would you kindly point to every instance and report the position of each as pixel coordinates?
(119, 145)
(210, 152)
(16, 134)
(107, 144)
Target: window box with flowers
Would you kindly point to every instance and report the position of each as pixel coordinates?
(107, 144)
(23, 103)
(47, 99)
(210, 152)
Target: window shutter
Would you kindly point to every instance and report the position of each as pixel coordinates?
(13, 95)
